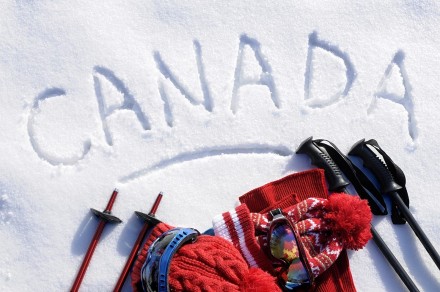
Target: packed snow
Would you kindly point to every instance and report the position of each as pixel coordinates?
(203, 102)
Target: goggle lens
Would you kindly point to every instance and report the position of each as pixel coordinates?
(296, 274)
(284, 248)
(283, 243)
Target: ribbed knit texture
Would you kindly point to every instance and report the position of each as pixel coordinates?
(286, 191)
(279, 194)
(210, 264)
(213, 264)
(289, 191)
(237, 227)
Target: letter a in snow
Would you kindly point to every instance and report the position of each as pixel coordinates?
(128, 103)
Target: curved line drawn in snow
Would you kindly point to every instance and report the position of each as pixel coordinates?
(52, 159)
(208, 152)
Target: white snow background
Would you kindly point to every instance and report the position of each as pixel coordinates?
(217, 97)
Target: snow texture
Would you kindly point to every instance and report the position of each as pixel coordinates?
(202, 102)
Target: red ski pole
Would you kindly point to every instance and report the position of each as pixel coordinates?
(105, 217)
(137, 244)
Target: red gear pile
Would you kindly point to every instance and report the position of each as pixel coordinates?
(212, 263)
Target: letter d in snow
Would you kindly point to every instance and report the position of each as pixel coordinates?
(329, 73)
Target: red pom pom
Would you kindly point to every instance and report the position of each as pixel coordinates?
(349, 218)
(258, 280)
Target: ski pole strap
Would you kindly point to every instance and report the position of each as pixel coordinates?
(362, 184)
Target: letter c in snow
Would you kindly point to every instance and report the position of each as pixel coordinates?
(41, 152)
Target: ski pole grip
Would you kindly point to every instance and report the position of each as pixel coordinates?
(322, 159)
(376, 166)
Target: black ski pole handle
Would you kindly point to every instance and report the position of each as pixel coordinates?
(320, 158)
(391, 178)
(376, 165)
(389, 186)
(361, 183)
(337, 182)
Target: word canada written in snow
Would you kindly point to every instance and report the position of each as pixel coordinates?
(263, 78)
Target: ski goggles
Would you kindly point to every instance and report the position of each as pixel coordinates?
(287, 252)
(154, 272)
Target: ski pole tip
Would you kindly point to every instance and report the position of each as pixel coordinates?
(156, 204)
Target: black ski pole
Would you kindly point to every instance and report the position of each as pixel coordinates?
(381, 171)
(338, 183)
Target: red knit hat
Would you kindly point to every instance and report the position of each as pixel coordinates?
(325, 226)
(278, 194)
(283, 193)
(209, 264)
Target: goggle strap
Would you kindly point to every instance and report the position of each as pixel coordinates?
(184, 235)
(275, 212)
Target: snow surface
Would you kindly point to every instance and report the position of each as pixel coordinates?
(203, 102)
